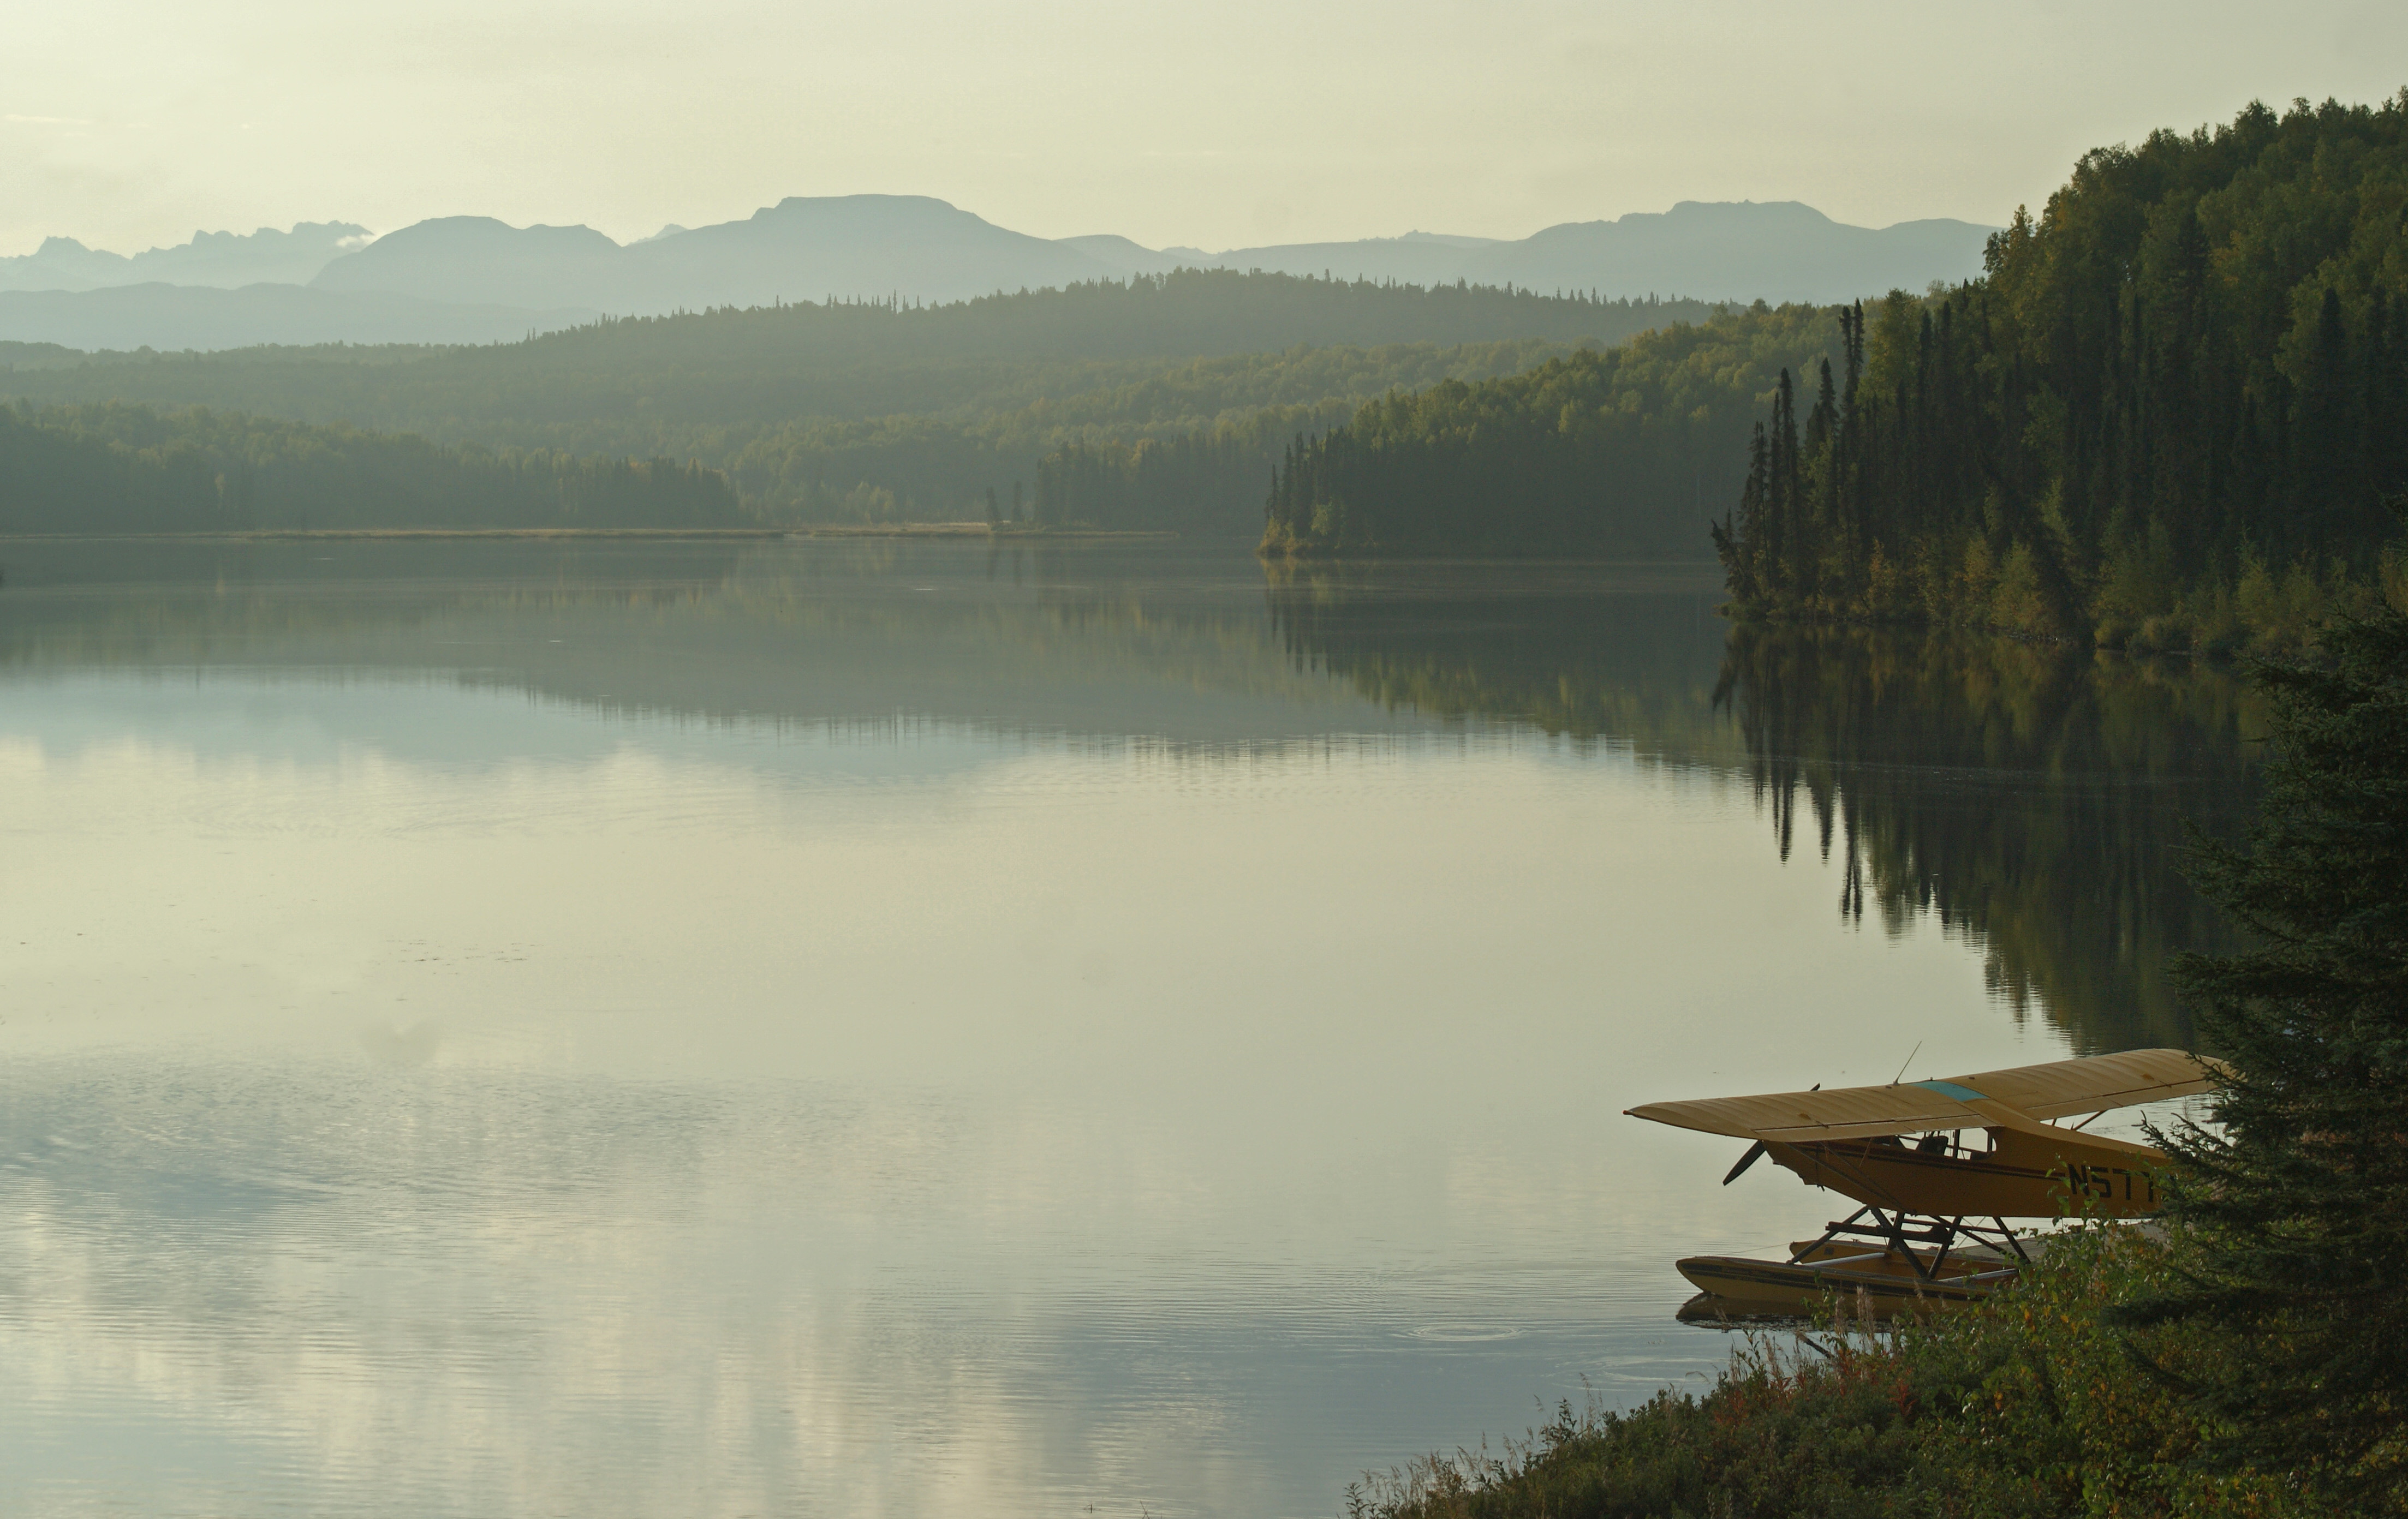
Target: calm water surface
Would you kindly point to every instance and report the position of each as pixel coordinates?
(875, 1029)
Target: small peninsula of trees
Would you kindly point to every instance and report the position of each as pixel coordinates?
(2167, 414)
(103, 470)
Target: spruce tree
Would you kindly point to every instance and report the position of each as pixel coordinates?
(2323, 443)
(1740, 538)
(1793, 551)
(2297, 1213)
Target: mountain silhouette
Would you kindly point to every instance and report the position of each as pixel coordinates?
(470, 260)
(225, 259)
(504, 279)
(1774, 250)
(801, 249)
(809, 249)
(919, 249)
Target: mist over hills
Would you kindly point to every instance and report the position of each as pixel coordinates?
(507, 280)
(178, 318)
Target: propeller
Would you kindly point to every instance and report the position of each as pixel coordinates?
(1755, 1153)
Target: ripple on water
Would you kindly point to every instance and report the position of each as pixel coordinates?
(1463, 1333)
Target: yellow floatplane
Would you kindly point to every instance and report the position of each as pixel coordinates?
(1932, 1229)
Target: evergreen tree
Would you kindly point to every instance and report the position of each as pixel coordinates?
(2188, 371)
(1595, 453)
(2325, 439)
(2299, 1207)
(1791, 561)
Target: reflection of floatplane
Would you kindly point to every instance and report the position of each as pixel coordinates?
(1903, 1152)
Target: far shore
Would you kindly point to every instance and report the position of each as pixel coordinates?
(819, 530)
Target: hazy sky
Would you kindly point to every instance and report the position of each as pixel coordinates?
(130, 123)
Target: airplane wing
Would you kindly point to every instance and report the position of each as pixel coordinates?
(1851, 1112)
(1863, 1112)
(2064, 1087)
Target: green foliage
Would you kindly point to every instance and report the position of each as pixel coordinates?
(800, 404)
(2020, 1409)
(2300, 1202)
(129, 470)
(1237, 412)
(2166, 416)
(1610, 452)
(1197, 483)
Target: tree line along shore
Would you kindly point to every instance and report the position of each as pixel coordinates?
(1154, 404)
(2167, 416)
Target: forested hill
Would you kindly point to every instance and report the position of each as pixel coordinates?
(104, 469)
(844, 412)
(2168, 415)
(1627, 452)
(842, 360)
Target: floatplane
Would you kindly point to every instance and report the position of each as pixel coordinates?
(1931, 1229)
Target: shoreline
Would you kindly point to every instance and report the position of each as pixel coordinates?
(328, 535)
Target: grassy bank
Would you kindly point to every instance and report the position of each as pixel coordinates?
(2025, 1407)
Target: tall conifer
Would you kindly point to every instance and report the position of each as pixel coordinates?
(2297, 1209)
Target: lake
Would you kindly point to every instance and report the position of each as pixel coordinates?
(900, 1028)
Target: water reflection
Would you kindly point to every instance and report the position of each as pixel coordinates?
(895, 1029)
(1161, 649)
(1598, 655)
(2033, 798)
(2029, 798)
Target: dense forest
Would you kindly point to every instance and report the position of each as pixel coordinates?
(816, 408)
(944, 466)
(1624, 451)
(112, 468)
(2168, 415)
(1201, 484)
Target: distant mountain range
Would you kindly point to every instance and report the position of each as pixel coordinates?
(469, 278)
(223, 259)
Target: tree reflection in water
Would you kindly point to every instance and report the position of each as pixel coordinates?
(2031, 798)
